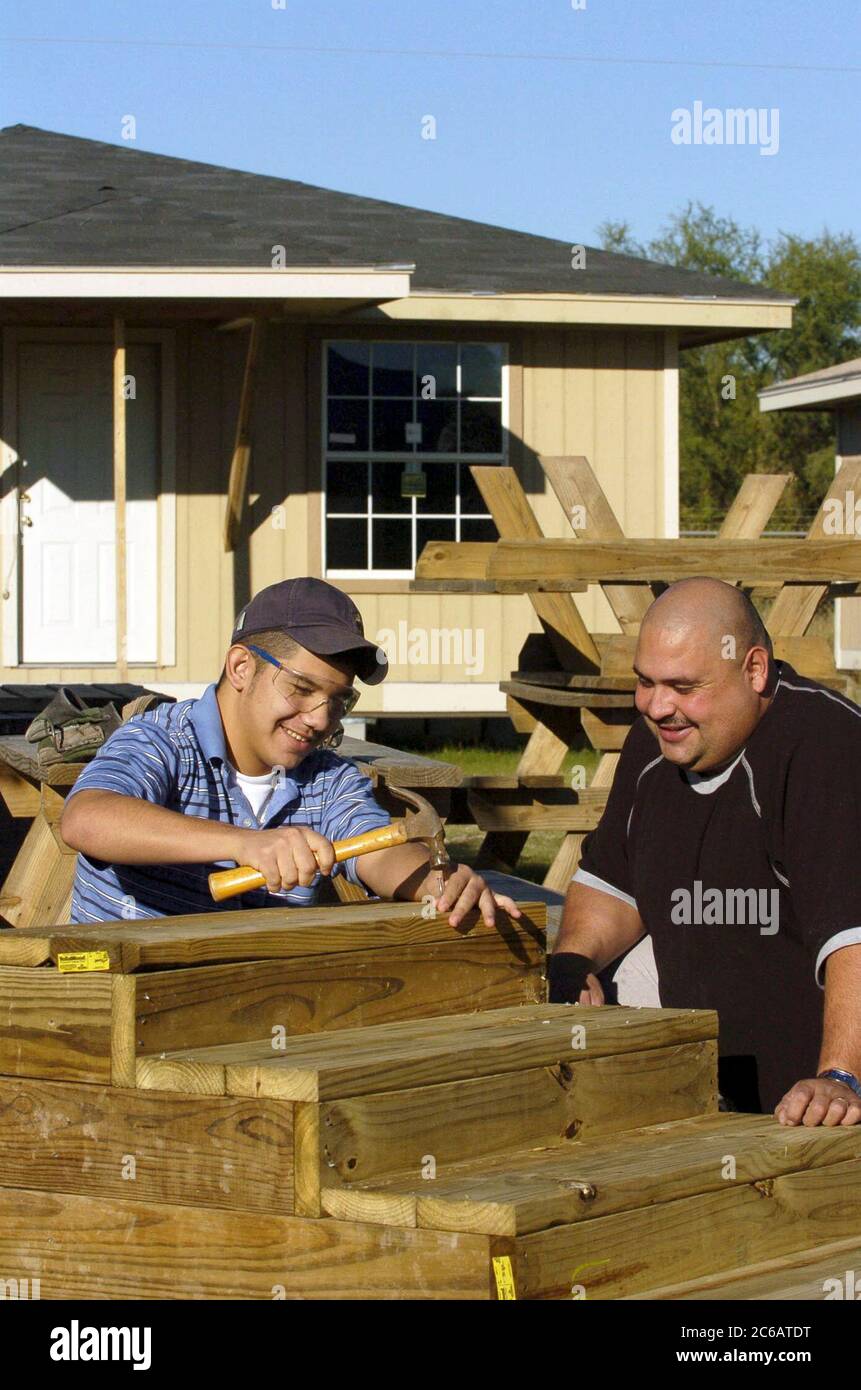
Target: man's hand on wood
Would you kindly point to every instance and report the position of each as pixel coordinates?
(819, 1102)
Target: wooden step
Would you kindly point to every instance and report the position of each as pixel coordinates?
(513, 1194)
(423, 1052)
(152, 987)
(825, 1272)
(369, 1103)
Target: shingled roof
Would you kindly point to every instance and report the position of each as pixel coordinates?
(65, 201)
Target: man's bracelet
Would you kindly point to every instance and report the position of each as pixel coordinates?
(566, 976)
(847, 1077)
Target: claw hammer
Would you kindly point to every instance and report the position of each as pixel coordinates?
(421, 823)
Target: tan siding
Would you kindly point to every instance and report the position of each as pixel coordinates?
(597, 393)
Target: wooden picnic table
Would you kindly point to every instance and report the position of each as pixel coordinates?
(577, 680)
(38, 888)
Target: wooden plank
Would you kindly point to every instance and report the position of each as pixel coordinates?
(451, 560)
(634, 1251)
(261, 934)
(575, 484)
(514, 519)
(119, 468)
(810, 656)
(210, 1152)
(38, 887)
(606, 729)
(793, 610)
(547, 566)
(518, 1193)
(20, 755)
(799, 1276)
(245, 1002)
(477, 1123)
(753, 505)
(518, 811)
(104, 1248)
(55, 1025)
(403, 769)
(567, 699)
(239, 465)
(567, 857)
(20, 796)
(567, 680)
(422, 1052)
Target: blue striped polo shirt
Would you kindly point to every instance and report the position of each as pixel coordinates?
(175, 756)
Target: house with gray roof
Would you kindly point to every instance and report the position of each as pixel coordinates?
(230, 378)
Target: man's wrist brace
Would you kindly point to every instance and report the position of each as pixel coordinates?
(566, 976)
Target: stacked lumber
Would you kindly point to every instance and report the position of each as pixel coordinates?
(361, 1103)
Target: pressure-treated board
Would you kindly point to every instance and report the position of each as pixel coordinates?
(100, 1248)
(535, 809)
(206, 1005)
(262, 934)
(56, 1025)
(549, 566)
(364, 1139)
(826, 1272)
(92, 1025)
(633, 1251)
(397, 1055)
(104, 1141)
(512, 1194)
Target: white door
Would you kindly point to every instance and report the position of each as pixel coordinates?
(65, 445)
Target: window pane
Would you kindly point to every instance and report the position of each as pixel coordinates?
(346, 545)
(432, 531)
(478, 531)
(480, 428)
(441, 485)
(439, 362)
(471, 499)
(392, 544)
(346, 486)
(386, 479)
(393, 369)
(438, 420)
(390, 425)
(348, 424)
(348, 369)
(481, 369)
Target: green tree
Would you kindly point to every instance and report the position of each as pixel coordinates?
(723, 435)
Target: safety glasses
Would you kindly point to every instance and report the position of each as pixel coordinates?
(301, 692)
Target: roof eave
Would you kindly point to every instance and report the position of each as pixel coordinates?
(359, 284)
(723, 317)
(821, 395)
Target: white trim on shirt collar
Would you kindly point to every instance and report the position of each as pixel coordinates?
(705, 783)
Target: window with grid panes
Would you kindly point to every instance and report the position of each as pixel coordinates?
(392, 408)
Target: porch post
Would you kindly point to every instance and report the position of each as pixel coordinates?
(120, 496)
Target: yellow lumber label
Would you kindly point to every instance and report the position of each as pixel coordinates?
(504, 1276)
(76, 961)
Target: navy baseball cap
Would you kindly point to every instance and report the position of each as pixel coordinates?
(320, 618)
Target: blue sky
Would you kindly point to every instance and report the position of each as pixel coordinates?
(333, 92)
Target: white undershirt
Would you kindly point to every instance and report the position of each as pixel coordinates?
(258, 790)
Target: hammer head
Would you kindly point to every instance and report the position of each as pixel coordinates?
(423, 823)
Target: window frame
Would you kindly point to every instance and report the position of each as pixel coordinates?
(370, 456)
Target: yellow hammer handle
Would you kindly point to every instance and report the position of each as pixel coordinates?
(227, 883)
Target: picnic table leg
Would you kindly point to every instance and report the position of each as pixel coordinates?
(544, 753)
(567, 858)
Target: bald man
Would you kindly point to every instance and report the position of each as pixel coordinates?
(732, 835)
